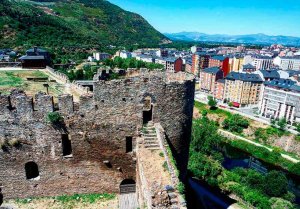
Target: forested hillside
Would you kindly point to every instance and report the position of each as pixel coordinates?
(69, 29)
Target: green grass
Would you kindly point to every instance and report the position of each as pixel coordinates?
(201, 107)
(71, 199)
(10, 79)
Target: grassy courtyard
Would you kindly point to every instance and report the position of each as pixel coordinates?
(16, 79)
(77, 201)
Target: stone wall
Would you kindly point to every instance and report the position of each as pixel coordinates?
(97, 127)
(172, 97)
(26, 136)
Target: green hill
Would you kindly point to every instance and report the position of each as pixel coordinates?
(69, 29)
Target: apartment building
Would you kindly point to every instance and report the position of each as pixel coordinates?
(262, 62)
(174, 64)
(208, 78)
(237, 63)
(221, 62)
(288, 63)
(281, 99)
(219, 89)
(242, 88)
(200, 61)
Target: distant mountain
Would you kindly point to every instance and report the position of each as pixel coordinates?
(72, 26)
(241, 39)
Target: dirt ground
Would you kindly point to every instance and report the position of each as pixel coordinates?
(154, 170)
(49, 203)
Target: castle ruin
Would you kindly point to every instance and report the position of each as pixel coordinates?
(94, 149)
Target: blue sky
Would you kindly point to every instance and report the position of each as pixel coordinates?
(272, 17)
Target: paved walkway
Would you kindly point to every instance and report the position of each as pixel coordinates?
(234, 137)
(128, 201)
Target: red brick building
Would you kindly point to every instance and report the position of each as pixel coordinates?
(174, 64)
(222, 62)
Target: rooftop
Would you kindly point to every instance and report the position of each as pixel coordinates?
(270, 74)
(32, 57)
(248, 66)
(213, 70)
(285, 84)
(220, 58)
(244, 77)
(38, 50)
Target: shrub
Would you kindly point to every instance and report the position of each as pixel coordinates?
(14, 142)
(54, 117)
(235, 123)
(165, 166)
(181, 188)
(295, 169)
(276, 184)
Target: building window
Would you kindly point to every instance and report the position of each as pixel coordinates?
(66, 145)
(128, 144)
(32, 171)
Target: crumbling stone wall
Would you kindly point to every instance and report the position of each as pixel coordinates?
(97, 127)
(26, 136)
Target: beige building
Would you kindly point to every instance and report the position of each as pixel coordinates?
(242, 88)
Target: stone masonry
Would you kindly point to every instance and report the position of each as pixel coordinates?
(97, 127)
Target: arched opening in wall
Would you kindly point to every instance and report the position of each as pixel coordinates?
(66, 145)
(128, 144)
(127, 186)
(147, 110)
(32, 171)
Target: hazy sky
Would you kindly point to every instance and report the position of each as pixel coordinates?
(272, 17)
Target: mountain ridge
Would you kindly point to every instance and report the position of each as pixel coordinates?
(258, 38)
(74, 27)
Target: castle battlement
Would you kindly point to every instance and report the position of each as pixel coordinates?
(19, 104)
(134, 74)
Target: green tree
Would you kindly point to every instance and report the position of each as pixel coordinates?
(282, 124)
(276, 184)
(295, 169)
(205, 135)
(212, 102)
(79, 75)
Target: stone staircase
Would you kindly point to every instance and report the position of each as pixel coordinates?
(150, 137)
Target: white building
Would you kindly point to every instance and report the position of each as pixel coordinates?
(195, 49)
(262, 62)
(125, 54)
(281, 99)
(101, 56)
(145, 58)
(287, 63)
